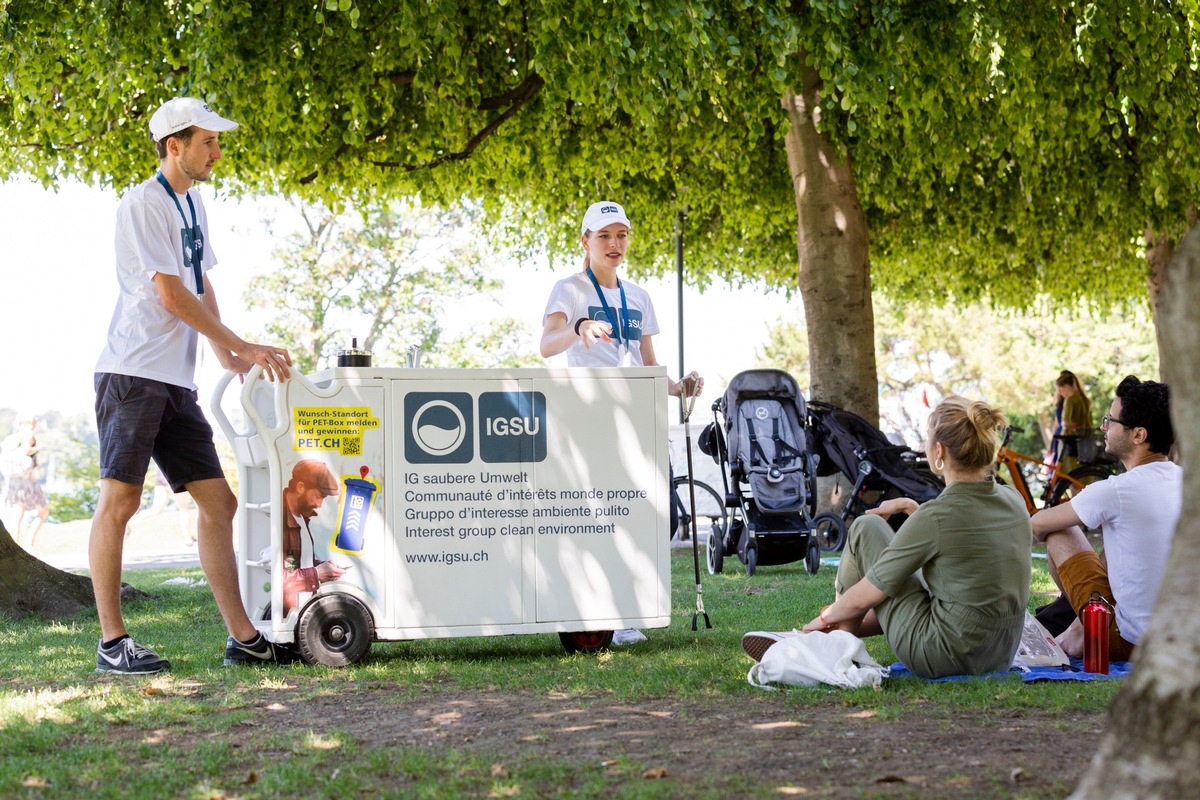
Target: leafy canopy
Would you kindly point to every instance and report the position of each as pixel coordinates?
(382, 283)
(1007, 359)
(1000, 147)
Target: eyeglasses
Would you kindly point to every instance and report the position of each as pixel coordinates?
(1109, 419)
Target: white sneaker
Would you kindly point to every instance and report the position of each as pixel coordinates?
(628, 636)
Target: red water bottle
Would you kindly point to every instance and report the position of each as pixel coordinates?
(1097, 617)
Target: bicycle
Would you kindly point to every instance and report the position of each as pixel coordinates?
(710, 507)
(1059, 486)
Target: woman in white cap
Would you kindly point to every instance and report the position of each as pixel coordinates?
(599, 320)
(596, 318)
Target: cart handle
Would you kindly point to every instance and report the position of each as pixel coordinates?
(254, 375)
(219, 413)
(248, 406)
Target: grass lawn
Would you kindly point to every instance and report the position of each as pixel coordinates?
(201, 730)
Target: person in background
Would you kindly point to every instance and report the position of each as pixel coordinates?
(1137, 512)
(146, 401)
(1073, 411)
(600, 320)
(20, 461)
(949, 588)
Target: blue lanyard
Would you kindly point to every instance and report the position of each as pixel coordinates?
(624, 328)
(192, 238)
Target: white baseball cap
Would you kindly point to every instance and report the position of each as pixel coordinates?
(602, 214)
(180, 113)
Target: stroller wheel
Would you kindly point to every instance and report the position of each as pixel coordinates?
(829, 530)
(751, 560)
(715, 551)
(812, 560)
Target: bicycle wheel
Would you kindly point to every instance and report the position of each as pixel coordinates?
(1086, 475)
(712, 517)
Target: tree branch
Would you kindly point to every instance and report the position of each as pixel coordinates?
(517, 98)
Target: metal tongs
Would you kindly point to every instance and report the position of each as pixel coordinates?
(688, 403)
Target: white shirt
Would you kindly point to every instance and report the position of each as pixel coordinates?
(1138, 511)
(576, 297)
(144, 339)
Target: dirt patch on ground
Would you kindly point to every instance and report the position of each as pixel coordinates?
(735, 747)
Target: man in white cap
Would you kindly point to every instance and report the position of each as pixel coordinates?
(599, 320)
(146, 401)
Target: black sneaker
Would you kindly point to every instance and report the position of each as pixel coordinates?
(259, 651)
(127, 657)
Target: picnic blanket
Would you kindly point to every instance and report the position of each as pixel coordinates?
(1116, 669)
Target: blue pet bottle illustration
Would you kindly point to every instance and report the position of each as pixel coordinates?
(356, 505)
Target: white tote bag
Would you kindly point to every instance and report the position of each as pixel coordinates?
(837, 658)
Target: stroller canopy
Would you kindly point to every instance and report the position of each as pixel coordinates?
(843, 439)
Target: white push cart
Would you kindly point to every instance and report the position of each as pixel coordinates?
(394, 504)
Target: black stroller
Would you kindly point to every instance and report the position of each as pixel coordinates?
(879, 469)
(771, 478)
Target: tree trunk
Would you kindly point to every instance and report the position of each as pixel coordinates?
(31, 587)
(835, 271)
(1159, 250)
(1151, 744)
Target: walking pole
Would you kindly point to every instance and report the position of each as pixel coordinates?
(687, 405)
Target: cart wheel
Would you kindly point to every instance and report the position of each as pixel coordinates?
(585, 641)
(715, 549)
(830, 531)
(751, 560)
(334, 630)
(812, 561)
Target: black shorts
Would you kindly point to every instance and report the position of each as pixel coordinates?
(139, 418)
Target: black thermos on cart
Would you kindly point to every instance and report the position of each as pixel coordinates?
(354, 357)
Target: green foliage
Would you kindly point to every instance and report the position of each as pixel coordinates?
(381, 278)
(786, 348)
(498, 344)
(1029, 438)
(78, 465)
(1008, 358)
(1000, 148)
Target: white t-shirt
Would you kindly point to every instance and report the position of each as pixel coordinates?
(576, 297)
(1138, 511)
(144, 339)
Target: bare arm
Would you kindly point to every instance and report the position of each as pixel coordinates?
(850, 607)
(896, 505)
(559, 333)
(1057, 518)
(691, 383)
(204, 317)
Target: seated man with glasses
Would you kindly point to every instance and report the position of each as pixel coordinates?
(1137, 511)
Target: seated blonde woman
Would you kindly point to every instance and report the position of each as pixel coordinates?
(950, 587)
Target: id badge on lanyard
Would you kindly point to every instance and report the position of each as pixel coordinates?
(193, 237)
(620, 331)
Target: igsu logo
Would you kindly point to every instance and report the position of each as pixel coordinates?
(512, 426)
(438, 428)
